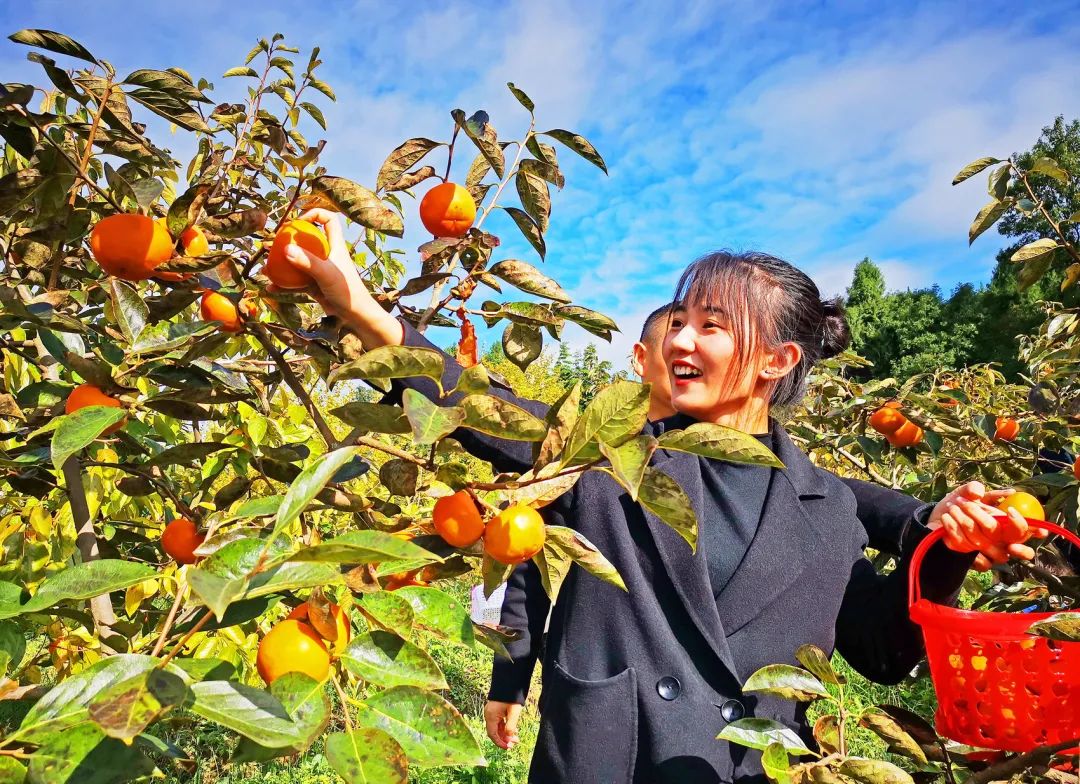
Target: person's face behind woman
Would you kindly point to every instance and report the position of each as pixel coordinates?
(718, 375)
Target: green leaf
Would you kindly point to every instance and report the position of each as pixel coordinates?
(387, 362)
(719, 443)
(294, 577)
(1035, 250)
(12, 647)
(315, 113)
(253, 713)
(529, 229)
(973, 168)
(477, 171)
(366, 756)
(385, 659)
(186, 454)
(1050, 168)
(760, 733)
(1064, 626)
(1032, 271)
(82, 581)
(784, 680)
(402, 159)
(236, 224)
(483, 136)
(498, 417)
(522, 344)
(662, 496)
(535, 197)
(359, 547)
(83, 755)
(527, 278)
(775, 763)
(986, 218)
(81, 428)
(890, 731)
(241, 71)
(546, 170)
(173, 110)
(430, 730)
(589, 320)
(258, 507)
(814, 659)
(561, 418)
(359, 204)
(473, 381)
(581, 551)
(439, 612)
(53, 42)
(390, 610)
(616, 414)
(222, 578)
(217, 592)
(310, 482)
(430, 422)
(185, 208)
(580, 145)
(523, 99)
(1072, 274)
(64, 705)
(127, 708)
(629, 461)
(998, 183)
(305, 700)
(870, 771)
(167, 82)
(540, 494)
(12, 771)
(129, 309)
(827, 733)
(399, 477)
(374, 417)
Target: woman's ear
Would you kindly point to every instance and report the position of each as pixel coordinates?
(780, 362)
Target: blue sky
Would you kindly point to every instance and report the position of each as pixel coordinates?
(821, 132)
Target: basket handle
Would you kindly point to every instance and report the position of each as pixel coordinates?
(939, 533)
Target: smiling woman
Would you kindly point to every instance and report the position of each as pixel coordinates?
(639, 682)
(748, 328)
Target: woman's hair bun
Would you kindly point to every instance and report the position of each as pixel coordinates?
(835, 332)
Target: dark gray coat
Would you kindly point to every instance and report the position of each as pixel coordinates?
(638, 684)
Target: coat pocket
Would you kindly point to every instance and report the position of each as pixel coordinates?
(588, 729)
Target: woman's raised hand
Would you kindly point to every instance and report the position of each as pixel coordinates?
(973, 523)
(338, 287)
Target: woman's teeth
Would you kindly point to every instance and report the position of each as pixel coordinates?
(684, 371)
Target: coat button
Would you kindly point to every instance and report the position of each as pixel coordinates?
(668, 687)
(732, 710)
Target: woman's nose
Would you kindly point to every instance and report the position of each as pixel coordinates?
(682, 340)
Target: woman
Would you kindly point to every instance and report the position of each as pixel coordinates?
(638, 683)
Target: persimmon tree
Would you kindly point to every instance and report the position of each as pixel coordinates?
(237, 418)
(298, 509)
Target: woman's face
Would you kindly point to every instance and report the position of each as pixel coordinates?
(709, 381)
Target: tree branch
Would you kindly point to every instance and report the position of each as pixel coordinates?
(1010, 767)
(86, 539)
(293, 382)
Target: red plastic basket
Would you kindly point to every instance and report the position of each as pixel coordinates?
(997, 686)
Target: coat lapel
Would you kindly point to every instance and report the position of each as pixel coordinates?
(784, 544)
(687, 570)
(780, 552)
